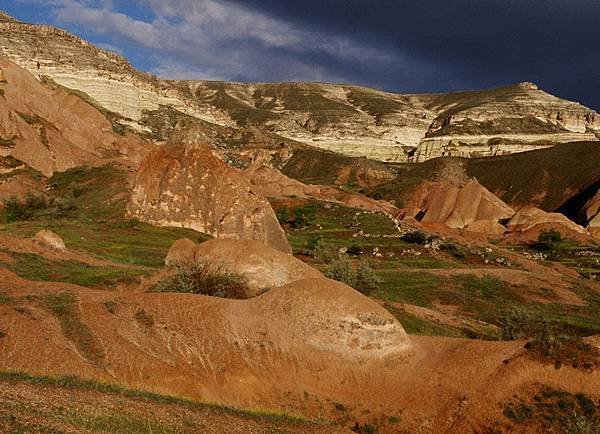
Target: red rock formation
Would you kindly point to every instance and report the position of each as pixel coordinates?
(592, 214)
(188, 186)
(52, 130)
(530, 221)
(459, 206)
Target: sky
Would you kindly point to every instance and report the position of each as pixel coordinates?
(405, 46)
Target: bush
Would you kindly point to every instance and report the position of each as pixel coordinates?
(415, 237)
(36, 205)
(360, 277)
(355, 250)
(206, 279)
(303, 217)
(453, 249)
(283, 215)
(547, 240)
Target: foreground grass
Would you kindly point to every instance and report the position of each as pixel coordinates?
(76, 383)
(33, 267)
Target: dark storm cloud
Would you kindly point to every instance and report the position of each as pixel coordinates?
(471, 43)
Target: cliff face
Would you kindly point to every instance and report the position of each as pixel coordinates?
(351, 120)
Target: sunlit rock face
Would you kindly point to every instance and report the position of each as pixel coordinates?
(188, 186)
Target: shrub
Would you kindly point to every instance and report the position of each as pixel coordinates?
(360, 277)
(355, 250)
(303, 217)
(206, 279)
(16, 210)
(36, 205)
(453, 249)
(415, 237)
(283, 215)
(547, 240)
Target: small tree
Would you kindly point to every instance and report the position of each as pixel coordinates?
(547, 240)
(415, 237)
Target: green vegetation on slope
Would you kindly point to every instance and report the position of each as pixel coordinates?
(94, 223)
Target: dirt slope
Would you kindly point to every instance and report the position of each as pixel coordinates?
(51, 130)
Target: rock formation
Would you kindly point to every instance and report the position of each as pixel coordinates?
(351, 120)
(460, 206)
(592, 214)
(325, 315)
(265, 268)
(51, 130)
(50, 239)
(531, 220)
(188, 186)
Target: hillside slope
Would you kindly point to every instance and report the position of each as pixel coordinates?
(546, 178)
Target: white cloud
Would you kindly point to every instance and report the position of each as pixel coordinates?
(217, 39)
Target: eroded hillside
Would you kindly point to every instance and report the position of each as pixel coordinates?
(351, 120)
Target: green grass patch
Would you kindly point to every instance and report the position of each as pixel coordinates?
(130, 243)
(415, 325)
(6, 299)
(64, 307)
(33, 267)
(417, 288)
(121, 423)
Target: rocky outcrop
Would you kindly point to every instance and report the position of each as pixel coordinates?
(265, 268)
(329, 316)
(51, 130)
(592, 214)
(188, 186)
(460, 206)
(532, 220)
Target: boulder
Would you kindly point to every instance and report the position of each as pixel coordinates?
(264, 267)
(50, 239)
(181, 253)
(188, 186)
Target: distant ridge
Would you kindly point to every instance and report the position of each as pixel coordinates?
(351, 120)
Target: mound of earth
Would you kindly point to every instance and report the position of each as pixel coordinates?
(188, 186)
(458, 207)
(233, 351)
(270, 182)
(528, 222)
(264, 267)
(52, 130)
